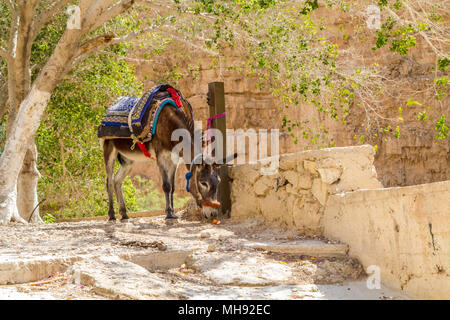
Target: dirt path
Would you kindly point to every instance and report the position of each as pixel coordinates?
(147, 258)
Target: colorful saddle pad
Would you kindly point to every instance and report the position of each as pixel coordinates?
(139, 116)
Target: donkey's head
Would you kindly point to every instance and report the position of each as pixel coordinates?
(205, 186)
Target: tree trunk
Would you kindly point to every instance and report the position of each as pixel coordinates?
(27, 198)
(18, 172)
(8, 207)
(11, 160)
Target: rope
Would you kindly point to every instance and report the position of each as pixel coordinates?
(189, 174)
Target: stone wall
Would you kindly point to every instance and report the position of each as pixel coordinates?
(295, 196)
(404, 231)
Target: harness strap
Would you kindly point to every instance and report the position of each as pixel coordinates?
(189, 174)
(135, 140)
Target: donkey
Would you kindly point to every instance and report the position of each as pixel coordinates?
(205, 178)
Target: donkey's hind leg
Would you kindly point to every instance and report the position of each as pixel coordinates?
(110, 157)
(119, 177)
(167, 169)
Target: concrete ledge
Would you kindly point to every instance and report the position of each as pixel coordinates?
(20, 270)
(404, 231)
(307, 248)
(14, 270)
(159, 260)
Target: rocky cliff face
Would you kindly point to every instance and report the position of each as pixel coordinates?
(417, 157)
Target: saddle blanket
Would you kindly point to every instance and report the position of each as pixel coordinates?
(139, 116)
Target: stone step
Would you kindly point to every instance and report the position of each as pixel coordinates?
(313, 248)
(117, 278)
(16, 269)
(159, 260)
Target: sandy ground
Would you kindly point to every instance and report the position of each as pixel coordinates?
(148, 258)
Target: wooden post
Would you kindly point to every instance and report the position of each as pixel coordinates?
(216, 102)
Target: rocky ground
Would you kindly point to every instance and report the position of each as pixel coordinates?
(148, 258)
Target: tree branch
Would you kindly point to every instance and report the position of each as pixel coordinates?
(46, 15)
(11, 6)
(13, 30)
(414, 21)
(3, 99)
(94, 45)
(155, 5)
(100, 41)
(193, 45)
(106, 15)
(126, 58)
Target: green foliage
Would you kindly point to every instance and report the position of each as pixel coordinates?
(149, 197)
(397, 132)
(422, 116)
(441, 85)
(297, 65)
(442, 128)
(48, 218)
(402, 37)
(402, 24)
(46, 42)
(309, 6)
(443, 64)
(5, 23)
(412, 102)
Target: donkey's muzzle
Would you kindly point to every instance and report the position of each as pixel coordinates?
(212, 204)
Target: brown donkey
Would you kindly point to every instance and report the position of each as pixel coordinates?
(203, 184)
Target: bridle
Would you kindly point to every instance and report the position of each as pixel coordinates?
(189, 174)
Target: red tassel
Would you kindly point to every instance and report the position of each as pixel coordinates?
(144, 150)
(175, 97)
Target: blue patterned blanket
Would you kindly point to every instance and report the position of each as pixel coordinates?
(117, 114)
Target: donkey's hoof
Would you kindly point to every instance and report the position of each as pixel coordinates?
(125, 217)
(171, 216)
(112, 219)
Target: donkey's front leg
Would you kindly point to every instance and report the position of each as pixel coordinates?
(167, 169)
